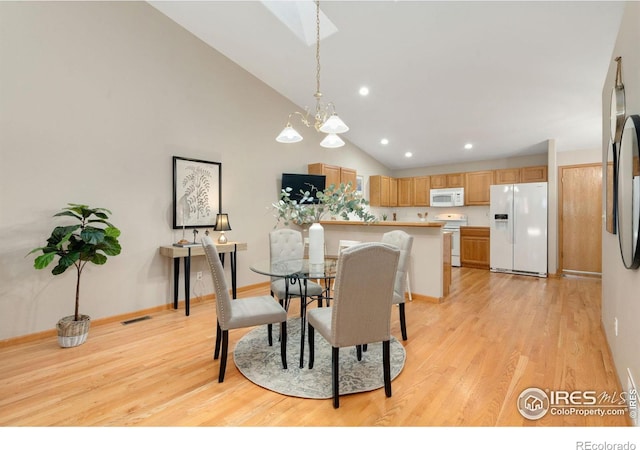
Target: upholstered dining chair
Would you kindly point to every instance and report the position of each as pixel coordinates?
(361, 311)
(285, 244)
(240, 313)
(404, 241)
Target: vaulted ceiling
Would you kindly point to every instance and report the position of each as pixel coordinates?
(503, 76)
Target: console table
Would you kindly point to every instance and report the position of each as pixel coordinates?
(187, 251)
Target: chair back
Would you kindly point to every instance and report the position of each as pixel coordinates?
(223, 299)
(404, 241)
(363, 291)
(285, 244)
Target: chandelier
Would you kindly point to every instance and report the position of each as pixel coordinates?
(324, 119)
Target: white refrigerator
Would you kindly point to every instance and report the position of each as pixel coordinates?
(518, 228)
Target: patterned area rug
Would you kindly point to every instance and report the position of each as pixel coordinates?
(262, 364)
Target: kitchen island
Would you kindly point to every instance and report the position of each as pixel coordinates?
(426, 269)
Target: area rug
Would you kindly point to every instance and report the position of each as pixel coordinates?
(261, 364)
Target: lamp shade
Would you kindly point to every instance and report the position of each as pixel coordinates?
(332, 141)
(289, 135)
(334, 124)
(222, 223)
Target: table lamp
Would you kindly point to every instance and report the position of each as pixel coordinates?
(222, 225)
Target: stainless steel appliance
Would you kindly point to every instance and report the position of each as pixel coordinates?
(447, 197)
(452, 223)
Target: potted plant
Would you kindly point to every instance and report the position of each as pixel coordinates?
(339, 201)
(92, 239)
(335, 200)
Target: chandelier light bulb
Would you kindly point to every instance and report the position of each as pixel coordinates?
(332, 141)
(334, 124)
(289, 135)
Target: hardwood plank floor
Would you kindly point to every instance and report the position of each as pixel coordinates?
(468, 360)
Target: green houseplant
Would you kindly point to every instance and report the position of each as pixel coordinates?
(335, 200)
(91, 239)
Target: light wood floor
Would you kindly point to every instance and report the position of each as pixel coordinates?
(468, 359)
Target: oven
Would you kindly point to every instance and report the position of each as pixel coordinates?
(452, 223)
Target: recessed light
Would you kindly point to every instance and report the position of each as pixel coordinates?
(364, 91)
(384, 141)
(468, 146)
(408, 155)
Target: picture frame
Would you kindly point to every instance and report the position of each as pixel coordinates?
(360, 184)
(197, 193)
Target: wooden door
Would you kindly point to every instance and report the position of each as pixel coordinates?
(580, 219)
(478, 190)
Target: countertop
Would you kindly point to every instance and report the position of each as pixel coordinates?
(387, 223)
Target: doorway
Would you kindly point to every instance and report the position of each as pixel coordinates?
(580, 219)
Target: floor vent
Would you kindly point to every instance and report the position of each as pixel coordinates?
(137, 319)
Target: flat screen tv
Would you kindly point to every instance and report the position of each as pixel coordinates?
(304, 182)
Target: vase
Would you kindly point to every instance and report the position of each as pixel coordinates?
(316, 244)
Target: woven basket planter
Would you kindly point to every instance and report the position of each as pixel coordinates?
(72, 333)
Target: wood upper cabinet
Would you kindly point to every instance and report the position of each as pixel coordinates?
(379, 190)
(393, 192)
(478, 187)
(348, 176)
(335, 174)
(475, 247)
(405, 191)
(448, 180)
(533, 174)
(507, 176)
(421, 188)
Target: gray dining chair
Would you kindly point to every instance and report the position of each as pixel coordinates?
(361, 311)
(240, 313)
(404, 242)
(287, 244)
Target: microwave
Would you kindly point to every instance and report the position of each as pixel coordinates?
(447, 197)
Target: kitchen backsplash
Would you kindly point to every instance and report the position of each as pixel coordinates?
(478, 216)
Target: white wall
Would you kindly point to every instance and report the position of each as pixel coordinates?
(96, 98)
(621, 287)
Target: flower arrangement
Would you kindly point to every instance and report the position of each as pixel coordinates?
(335, 200)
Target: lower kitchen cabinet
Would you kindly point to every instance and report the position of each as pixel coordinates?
(474, 247)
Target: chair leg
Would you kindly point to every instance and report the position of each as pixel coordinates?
(283, 343)
(359, 352)
(335, 353)
(270, 334)
(403, 322)
(311, 347)
(386, 367)
(223, 360)
(216, 353)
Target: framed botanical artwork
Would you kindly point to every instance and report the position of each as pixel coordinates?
(359, 184)
(197, 193)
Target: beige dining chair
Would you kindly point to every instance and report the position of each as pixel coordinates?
(240, 313)
(286, 244)
(404, 242)
(361, 312)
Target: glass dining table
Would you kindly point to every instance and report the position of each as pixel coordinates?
(298, 272)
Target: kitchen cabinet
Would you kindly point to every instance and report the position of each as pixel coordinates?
(335, 174)
(475, 247)
(533, 174)
(507, 176)
(478, 187)
(448, 180)
(405, 191)
(393, 192)
(379, 190)
(421, 188)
